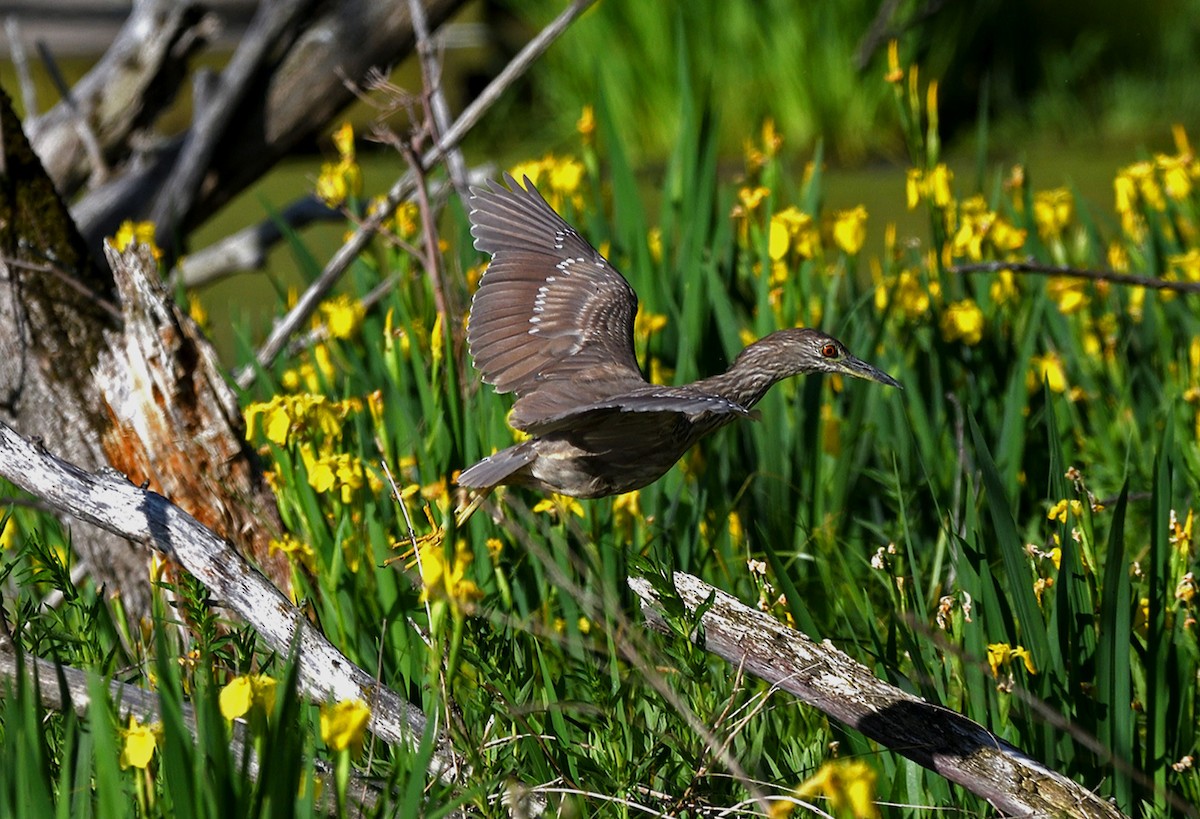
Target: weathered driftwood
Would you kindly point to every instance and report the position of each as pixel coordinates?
(110, 501)
(247, 249)
(819, 674)
(287, 79)
(132, 84)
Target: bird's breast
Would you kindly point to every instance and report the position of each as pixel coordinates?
(613, 459)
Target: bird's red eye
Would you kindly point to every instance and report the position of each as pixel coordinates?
(830, 351)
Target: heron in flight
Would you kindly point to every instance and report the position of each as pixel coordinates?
(552, 321)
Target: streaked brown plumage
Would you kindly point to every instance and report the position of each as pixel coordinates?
(552, 321)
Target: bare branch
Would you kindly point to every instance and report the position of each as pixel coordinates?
(174, 423)
(822, 676)
(87, 137)
(20, 61)
(1031, 266)
(321, 333)
(68, 279)
(176, 196)
(431, 72)
(129, 86)
(247, 249)
(442, 297)
(296, 89)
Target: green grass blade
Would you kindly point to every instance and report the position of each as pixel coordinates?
(1005, 539)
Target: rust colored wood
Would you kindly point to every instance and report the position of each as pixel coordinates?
(53, 317)
(174, 424)
(136, 387)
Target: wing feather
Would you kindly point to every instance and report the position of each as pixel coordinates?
(557, 406)
(549, 307)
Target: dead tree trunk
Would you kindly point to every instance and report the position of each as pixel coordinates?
(291, 74)
(55, 308)
(111, 373)
(107, 372)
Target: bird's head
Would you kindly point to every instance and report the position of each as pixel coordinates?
(802, 350)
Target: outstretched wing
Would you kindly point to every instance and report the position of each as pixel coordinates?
(549, 308)
(686, 404)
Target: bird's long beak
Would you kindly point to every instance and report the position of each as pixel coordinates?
(861, 369)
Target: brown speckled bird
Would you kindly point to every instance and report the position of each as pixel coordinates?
(552, 321)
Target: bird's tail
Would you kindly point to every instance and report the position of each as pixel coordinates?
(498, 468)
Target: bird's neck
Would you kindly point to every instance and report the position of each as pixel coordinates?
(746, 381)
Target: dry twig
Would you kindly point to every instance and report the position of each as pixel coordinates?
(403, 187)
(1037, 268)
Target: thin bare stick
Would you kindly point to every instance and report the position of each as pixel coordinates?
(247, 249)
(87, 137)
(403, 187)
(67, 278)
(1036, 268)
(321, 333)
(416, 547)
(435, 99)
(412, 533)
(441, 298)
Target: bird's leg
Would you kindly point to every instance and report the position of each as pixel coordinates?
(430, 540)
(463, 513)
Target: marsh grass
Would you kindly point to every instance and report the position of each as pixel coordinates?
(1009, 536)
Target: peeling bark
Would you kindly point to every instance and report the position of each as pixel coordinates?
(174, 424)
(52, 326)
